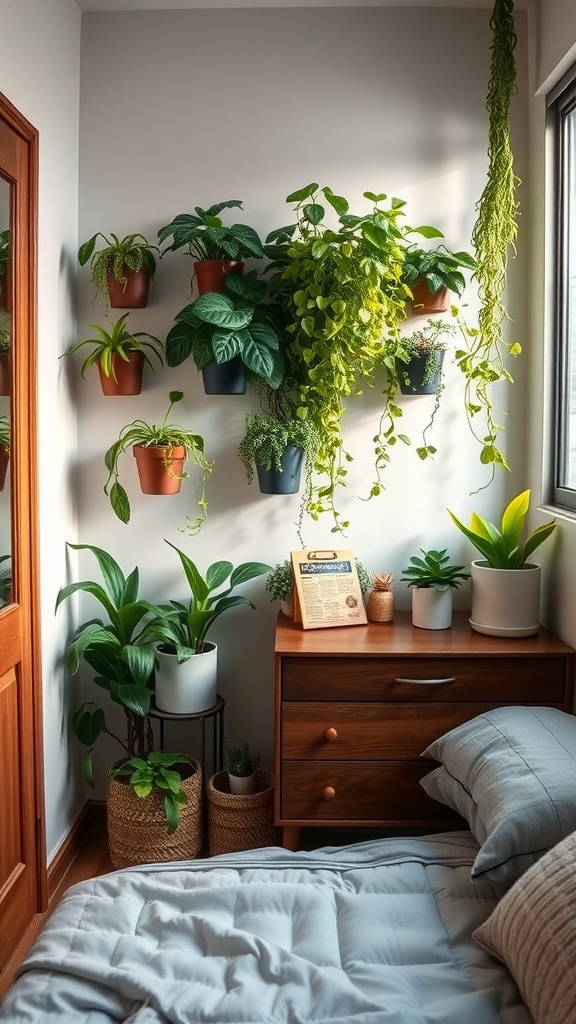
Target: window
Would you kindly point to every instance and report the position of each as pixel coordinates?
(562, 114)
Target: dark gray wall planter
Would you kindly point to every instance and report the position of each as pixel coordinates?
(286, 482)
(416, 371)
(225, 378)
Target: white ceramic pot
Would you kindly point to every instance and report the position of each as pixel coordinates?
(190, 687)
(505, 602)
(242, 784)
(431, 608)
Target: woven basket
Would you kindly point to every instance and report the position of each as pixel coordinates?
(240, 822)
(137, 828)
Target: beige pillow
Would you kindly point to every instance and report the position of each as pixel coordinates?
(533, 931)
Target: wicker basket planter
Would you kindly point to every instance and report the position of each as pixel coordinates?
(240, 822)
(137, 829)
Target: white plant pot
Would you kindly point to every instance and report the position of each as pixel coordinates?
(190, 687)
(431, 608)
(242, 785)
(505, 602)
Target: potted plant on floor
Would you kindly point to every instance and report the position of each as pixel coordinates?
(5, 443)
(505, 585)
(431, 274)
(120, 356)
(217, 249)
(115, 649)
(242, 766)
(231, 335)
(432, 580)
(186, 675)
(161, 453)
(122, 269)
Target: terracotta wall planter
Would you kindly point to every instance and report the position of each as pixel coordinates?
(128, 375)
(424, 301)
(5, 373)
(210, 274)
(152, 473)
(132, 295)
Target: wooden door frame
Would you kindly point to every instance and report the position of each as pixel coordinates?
(24, 454)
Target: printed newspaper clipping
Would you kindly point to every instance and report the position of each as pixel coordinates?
(327, 589)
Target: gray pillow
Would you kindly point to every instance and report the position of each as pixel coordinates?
(511, 773)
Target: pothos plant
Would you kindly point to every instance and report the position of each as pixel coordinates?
(481, 359)
(342, 290)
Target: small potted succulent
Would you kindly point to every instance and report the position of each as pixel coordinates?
(122, 269)
(433, 579)
(217, 250)
(186, 662)
(242, 767)
(431, 274)
(232, 335)
(275, 449)
(161, 453)
(120, 356)
(505, 584)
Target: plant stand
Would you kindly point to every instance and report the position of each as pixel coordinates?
(240, 822)
(137, 829)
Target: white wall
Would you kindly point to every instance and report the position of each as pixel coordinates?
(553, 51)
(39, 73)
(251, 104)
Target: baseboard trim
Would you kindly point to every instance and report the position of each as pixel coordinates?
(92, 813)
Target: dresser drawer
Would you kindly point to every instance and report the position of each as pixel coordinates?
(357, 792)
(367, 732)
(519, 680)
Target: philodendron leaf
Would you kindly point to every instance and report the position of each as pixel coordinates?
(218, 310)
(119, 501)
(302, 193)
(179, 343)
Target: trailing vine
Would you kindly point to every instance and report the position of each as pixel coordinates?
(493, 237)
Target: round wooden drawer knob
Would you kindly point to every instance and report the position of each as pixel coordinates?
(330, 735)
(328, 793)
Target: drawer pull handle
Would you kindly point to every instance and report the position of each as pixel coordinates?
(426, 682)
(328, 793)
(330, 735)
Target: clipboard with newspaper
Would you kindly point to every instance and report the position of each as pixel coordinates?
(327, 589)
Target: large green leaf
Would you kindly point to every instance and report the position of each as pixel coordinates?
(228, 343)
(219, 310)
(248, 571)
(302, 193)
(140, 661)
(197, 584)
(88, 723)
(120, 502)
(248, 239)
(114, 579)
(135, 698)
(247, 285)
(179, 343)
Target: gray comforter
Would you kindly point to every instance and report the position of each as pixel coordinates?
(375, 933)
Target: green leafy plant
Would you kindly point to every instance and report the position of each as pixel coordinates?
(5, 433)
(155, 772)
(181, 626)
(117, 342)
(342, 291)
(4, 250)
(439, 268)
(502, 547)
(4, 340)
(113, 646)
(132, 251)
(166, 436)
(433, 569)
(206, 237)
(279, 580)
(481, 359)
(218, 326)
(240, 761)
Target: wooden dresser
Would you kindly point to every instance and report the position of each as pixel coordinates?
(356, 706)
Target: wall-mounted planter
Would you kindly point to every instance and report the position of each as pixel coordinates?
(425, 301)
(152, 463)
(417, 370)
(225, 378)
(210, 274)
(128, 375)
(132, 295)
(287, 481)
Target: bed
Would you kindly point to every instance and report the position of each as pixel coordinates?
(470, 927)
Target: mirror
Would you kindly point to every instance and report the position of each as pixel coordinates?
(5, 388)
